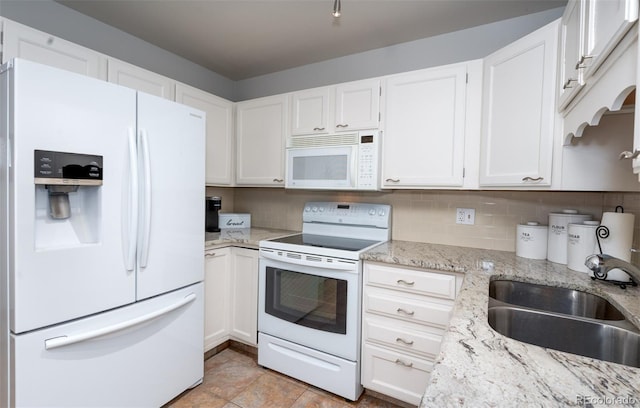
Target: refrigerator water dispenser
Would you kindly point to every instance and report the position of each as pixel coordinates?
(67, 194)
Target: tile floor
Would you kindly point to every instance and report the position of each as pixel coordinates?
(233, 379)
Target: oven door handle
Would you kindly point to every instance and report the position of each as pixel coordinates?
(302, 259)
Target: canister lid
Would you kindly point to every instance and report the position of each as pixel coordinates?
(569, 211)
(591, 222)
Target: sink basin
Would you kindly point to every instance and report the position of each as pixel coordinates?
(590, 338)
(553, 299)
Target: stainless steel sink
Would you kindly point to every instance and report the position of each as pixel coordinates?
(554, 299)
(563, 319)
(593, 339)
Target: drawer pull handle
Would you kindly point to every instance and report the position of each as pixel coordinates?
(401, 310)
(532, 178)
(392, 180)
(277, 180)
(209, 254)
(318, 128)
(342, 125)
(404, 282)
(398, 361)
(401, 340)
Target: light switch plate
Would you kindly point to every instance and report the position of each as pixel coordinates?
(465, 216)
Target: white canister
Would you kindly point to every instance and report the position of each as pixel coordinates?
(619, 241)
(531, 240)
(580, 241)
(557, 237)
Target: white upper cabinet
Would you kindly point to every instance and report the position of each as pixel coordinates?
(357, 105)
(345, 107)
(25, 42)
(518, 111)
(140, 79)
(261, 130)
(424, 128)
(220, 148)
(590, 30)
(606, 22)
(310, 111)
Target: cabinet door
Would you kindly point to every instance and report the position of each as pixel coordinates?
(310, 111)
(424, 127)
(571, 78)
(518, 111)
(244, 293)
(357, 105)
(261, 131)
(30, 44)
(220, 149)
(217, 265)
(606, 22)
(140, 79)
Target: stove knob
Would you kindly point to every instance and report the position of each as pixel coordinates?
(307, 209)
(314, 209)
(372, 212)
(321, 209)
(381, 213)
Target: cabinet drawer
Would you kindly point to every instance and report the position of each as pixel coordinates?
(395, 374)
(422, 282)
(402, 336)
(430, 311)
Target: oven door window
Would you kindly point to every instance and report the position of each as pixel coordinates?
(307, 300)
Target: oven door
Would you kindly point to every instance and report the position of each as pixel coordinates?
(322, 167)
(311, 306)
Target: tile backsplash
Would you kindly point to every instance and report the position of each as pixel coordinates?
(429, 216)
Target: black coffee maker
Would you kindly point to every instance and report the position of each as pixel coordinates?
(212, 208)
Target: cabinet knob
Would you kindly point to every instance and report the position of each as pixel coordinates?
(532, 179)
(317, 129)
(629, 155)
(277, 180)
(342, 125)
(390, 180)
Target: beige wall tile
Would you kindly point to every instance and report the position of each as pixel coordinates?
(429, 215)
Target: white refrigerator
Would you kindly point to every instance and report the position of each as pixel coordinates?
(102, 215)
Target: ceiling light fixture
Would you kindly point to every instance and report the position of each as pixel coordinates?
(336, 8)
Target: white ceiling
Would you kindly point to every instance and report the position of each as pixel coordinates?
(245, 38)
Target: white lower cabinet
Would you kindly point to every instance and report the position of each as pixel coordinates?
(405, 314)
(231, 296)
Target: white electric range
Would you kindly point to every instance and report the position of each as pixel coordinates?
(310, 291)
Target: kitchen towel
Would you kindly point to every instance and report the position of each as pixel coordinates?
(619, 241)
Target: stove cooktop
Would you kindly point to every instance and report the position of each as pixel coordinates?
(324, 241)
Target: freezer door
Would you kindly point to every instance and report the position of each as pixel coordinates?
(140, 355)
(62, 269)
(171, 147)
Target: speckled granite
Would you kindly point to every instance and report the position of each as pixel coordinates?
(479, 367)
(248, 237)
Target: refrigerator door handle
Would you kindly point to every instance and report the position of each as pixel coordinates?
(132, 213)
(146, 215)
(62, 341)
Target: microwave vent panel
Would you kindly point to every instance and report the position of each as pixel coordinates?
(346, 139)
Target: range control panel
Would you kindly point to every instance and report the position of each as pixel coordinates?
(358, 214)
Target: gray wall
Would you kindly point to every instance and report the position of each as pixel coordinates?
(63, 22)
(477, 42)
(463, 45)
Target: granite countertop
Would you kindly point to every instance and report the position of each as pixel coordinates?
(480, 367)
(248, 237)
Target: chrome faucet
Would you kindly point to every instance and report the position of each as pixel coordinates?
(601, 264)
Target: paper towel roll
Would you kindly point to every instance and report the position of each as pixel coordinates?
(531, 241)
(580, 241)
(619, 241)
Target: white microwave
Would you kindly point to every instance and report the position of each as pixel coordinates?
(348, 161)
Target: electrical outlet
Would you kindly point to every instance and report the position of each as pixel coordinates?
(465, 216)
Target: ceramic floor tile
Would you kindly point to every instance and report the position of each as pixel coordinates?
(232, 378)
(269, 391)
(311, 399)
(199, 397)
